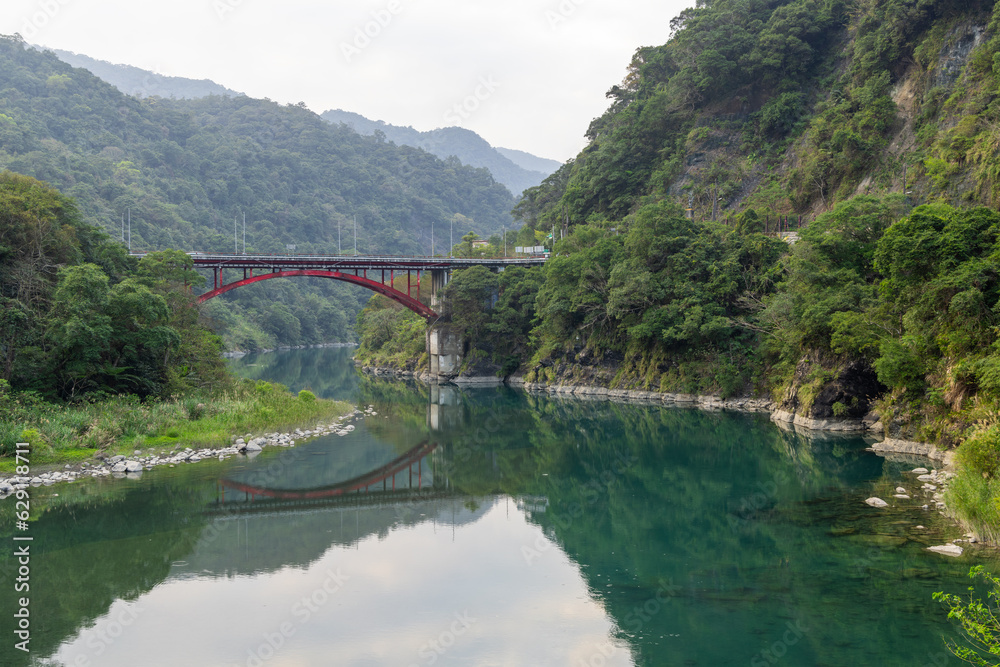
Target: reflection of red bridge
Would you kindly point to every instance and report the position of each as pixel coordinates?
(352, 269)
(380, 475)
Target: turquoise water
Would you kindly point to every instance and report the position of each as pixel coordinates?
(493, 527)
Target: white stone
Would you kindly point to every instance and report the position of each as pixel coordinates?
(133, 466)
(901, 496)
(253, 447)
(919, 471)
(118, 467)
(947, 549)
(925, 478)
(877, 502)
(900, 489)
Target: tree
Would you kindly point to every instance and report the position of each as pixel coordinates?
(79, 330)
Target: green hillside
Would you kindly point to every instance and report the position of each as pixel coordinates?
(186, 169)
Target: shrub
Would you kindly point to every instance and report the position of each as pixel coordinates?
(979, 620)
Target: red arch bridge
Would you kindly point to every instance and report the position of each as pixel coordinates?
(398, 278)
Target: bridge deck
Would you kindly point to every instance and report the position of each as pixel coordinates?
(353, 262)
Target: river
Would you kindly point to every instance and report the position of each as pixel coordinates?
(492, 527)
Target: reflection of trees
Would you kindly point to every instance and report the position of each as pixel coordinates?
(327, 371)
(87, 554)
(729, 519)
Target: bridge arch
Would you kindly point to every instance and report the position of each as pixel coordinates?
(361, 483)
(383, 289)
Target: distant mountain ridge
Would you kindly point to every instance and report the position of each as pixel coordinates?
(143, 83)
(517, 170)
(529, 161)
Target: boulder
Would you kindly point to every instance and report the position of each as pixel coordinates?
(877, 502)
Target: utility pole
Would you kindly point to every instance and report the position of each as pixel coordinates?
(355, 235)
(236, 237)
(505, 240)
(130, 230)
(338, 236)
(244, 232)
(451, 238)
(123, 228)
(432, 238)
(715, 200)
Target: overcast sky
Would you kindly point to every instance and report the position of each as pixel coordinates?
(525, 74)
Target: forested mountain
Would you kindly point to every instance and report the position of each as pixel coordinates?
(184, 170)
(143, 83)
(515, 169)
(792, 106)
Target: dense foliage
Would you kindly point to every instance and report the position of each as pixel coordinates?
(81, 318)
(185, 171)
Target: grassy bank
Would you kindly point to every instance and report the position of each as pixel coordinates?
(974, 495)
(67, 433)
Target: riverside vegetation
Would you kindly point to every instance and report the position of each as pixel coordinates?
(103, 353)
(876, 122)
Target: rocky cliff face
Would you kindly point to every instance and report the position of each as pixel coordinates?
(831, 389)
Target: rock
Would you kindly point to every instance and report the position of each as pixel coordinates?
(947, 549)
(919, 471)
(133, 466)
(926, 478)
(877, 502)
(901, 496)
(115, 459)
(253, 446)
(118, 467)
(900, 489)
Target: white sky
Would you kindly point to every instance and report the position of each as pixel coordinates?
(526, 74)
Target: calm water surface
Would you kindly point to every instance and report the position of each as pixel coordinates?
(496, 528)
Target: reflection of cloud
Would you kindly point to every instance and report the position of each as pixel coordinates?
(401, 592)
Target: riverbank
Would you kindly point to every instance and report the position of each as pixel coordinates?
(132, 466)
(71, 434)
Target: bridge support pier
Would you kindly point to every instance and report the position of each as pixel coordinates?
(444, 350)
(439, 280)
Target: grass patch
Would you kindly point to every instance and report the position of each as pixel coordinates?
(975, 502)
(121, 424)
